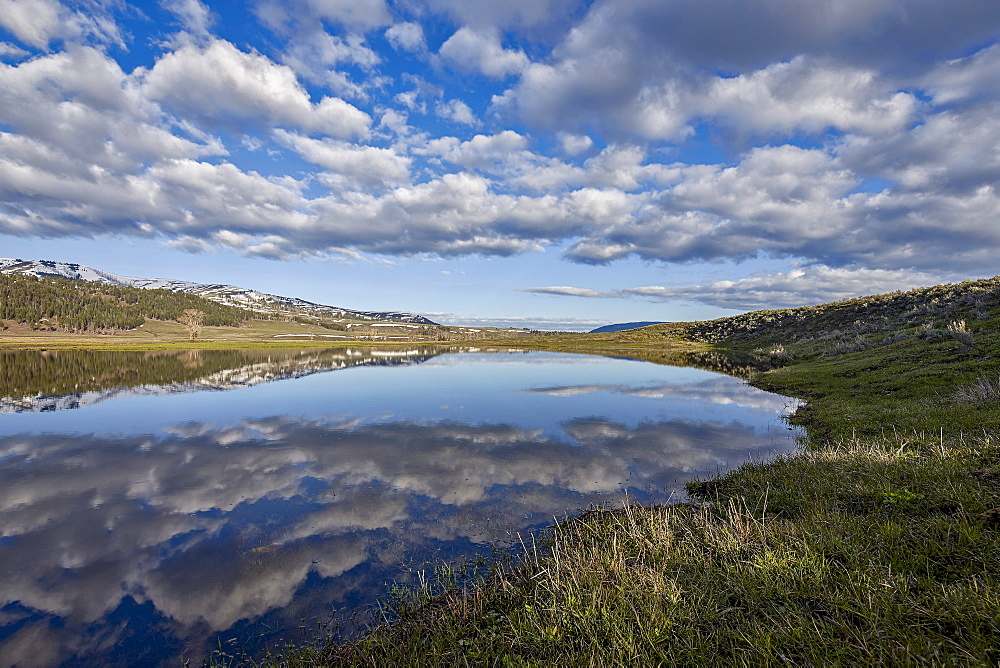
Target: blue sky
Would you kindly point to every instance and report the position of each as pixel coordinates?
(546, 163)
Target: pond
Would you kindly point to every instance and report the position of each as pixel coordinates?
(156, 506)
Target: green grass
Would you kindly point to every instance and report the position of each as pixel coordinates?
(172, 335)
(870, 552)
(877, 544)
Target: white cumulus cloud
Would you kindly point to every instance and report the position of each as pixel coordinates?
(456, 111)
(481, 52)
(406, 36)
(221, 86)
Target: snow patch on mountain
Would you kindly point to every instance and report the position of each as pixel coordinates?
(230, 295)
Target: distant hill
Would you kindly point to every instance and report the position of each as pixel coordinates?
(623, 326)
(229, 295)
(51, 303)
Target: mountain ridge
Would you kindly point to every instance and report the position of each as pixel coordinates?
(230, 295)
(622, 326)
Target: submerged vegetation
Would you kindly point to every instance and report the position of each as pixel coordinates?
(877, 543)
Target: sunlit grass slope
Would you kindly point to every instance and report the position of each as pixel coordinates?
(877, 544)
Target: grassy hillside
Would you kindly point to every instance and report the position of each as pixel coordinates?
(877, 544)
(857, 323)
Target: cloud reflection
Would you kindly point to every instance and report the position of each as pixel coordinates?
(716, 390)
(210, 524)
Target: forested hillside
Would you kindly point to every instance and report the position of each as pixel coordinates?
(78, 306)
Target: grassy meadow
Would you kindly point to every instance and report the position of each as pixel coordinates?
(172, 335)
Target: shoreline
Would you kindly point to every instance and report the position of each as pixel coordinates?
(878, 543)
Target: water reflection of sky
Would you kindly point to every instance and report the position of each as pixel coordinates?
(468, 388)
(190, 518)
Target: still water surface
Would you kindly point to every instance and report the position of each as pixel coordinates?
(197, 499)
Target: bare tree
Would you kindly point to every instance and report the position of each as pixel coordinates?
(192, 319)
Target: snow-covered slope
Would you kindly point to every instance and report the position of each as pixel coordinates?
(224, 294)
